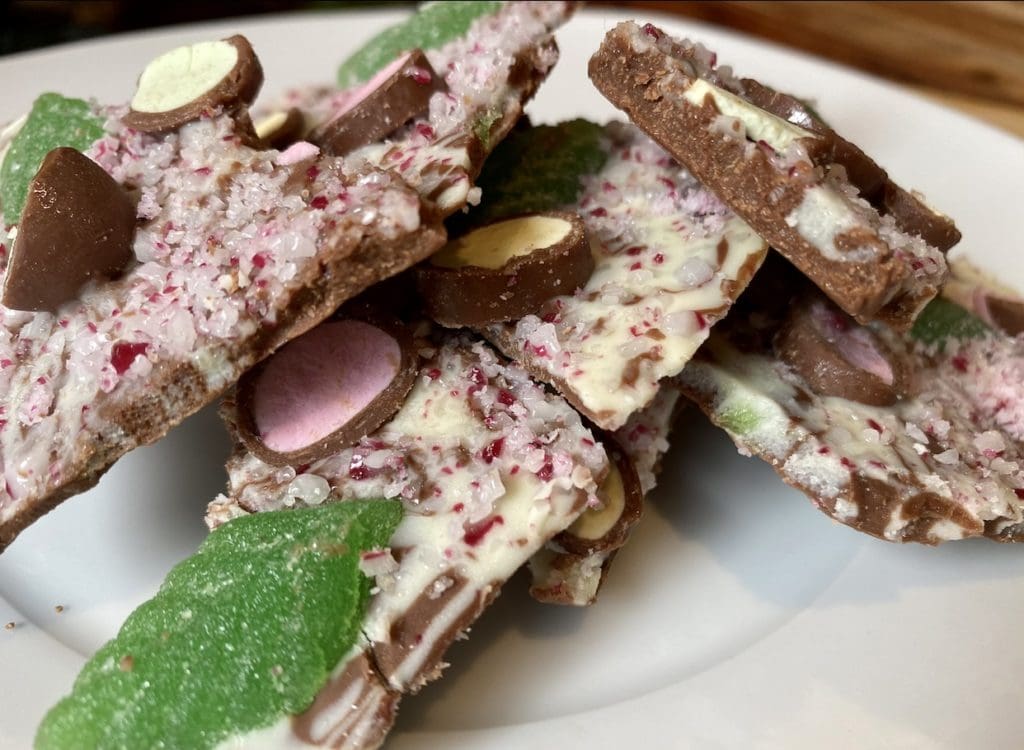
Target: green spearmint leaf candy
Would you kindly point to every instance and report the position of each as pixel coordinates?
(538, 169)
(942, 320)
(243, 632)
(54, 121)
(432, 26)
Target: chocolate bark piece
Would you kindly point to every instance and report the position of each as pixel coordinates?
(189, 82)
(396, 94)
(836, 358)
(942, 463)
(490, 73)
(670, 259)
(575, 577)
(240, 252)
(325, 390)
(282, 128)
(505, 270)
(76, 228)
(489, 466)
(810, 194)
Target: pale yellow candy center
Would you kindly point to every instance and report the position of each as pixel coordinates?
(270, 123)
(183, 75)
(597, 522)
(496, 244)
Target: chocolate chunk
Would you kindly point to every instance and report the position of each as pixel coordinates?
(837, 357)
(506, 269)
(281, 129)
(1007, 314)
(607, 528)
(325, 390)
(77, 226)
(387, 101)
(184, 84)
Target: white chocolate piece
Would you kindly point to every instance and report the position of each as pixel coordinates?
(183, 75)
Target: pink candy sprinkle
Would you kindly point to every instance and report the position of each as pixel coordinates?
(124, 353)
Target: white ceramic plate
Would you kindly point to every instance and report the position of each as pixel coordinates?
(738, 617)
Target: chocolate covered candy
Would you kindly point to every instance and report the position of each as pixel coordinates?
(995, 303)
(874, 248)
(189, 82)
(572, 567)
(397, 93)
(76, 227)
(325, 390)
(281, 129)
(837, 358)
(943, 462)
(505, 270)
(669, 257)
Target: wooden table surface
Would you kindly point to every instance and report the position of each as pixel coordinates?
(967, 55)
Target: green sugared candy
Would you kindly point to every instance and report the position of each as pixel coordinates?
(54, 121)
(539, 169)
(739, 419)
(433, 26)
(942, 320)
(243, 632)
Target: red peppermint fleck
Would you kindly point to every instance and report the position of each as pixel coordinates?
(424, 130)
(1019, 492)
(313, 172)
(846, 462)
(419, 75)
(514, 470)
(824, 450)
(91, 326)
(319, 202)
(636, 266)
(875, 426)
(493, 450)
(358, 472)
(259, 260)
(702, 322)
(433, 373)
(546, 471)
(476, 375)
(475, 532)
(652, 31)
(124, 353)
(599, 212)
(635, 250)
(458, 507)
(405, 165)
(5, 363)
(960, 363)
(41, 380)
(659, 258)
(540, 351)
(202, 171)
(506, 398)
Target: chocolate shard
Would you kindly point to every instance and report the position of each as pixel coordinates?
(837, 357)
(325, 390)
(874, 248)
(188, 82)
(506, 269)
(77, 227)
(387, 101)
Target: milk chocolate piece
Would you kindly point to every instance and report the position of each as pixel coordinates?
(325, 390)
(77, 226)
(387, 101)
(188, 82)
(506, 269)
(281, 129)
(607, 528)
(874, 248)
(837, 357)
